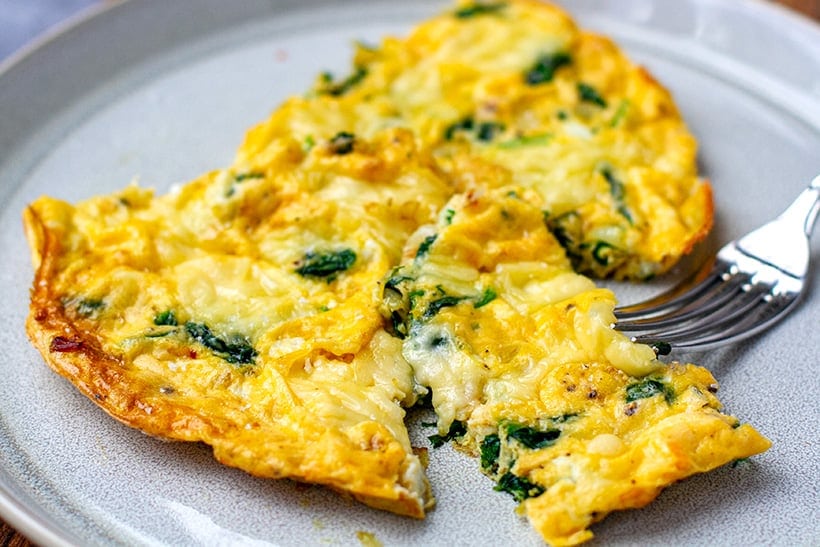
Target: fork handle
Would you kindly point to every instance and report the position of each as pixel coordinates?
(777, 242)
(804, 209)
(808, 204)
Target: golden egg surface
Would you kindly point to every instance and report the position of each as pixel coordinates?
(419, 228)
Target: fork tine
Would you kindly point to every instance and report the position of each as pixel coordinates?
(717, 318)
(777, 308)
(705, 298)
(690, 288)
(752, 283)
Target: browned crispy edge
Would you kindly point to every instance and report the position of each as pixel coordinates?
(77, 355)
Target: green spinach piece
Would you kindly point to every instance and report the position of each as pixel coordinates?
(168, 317)
(660, 347)
(482, 131)
(519, 487)
(479, 8)
(527, 140)
(490, 451)
(245, 176)
(616, 187)
(647, 388)
(589, 94)
(235, 349)
(438, 304)
(89, 306)
(396, 279)
(327, 265)
(566, 228)
(465, 124)
(487, 296)
(486, 131)
(337, 89)
(618, 193)
(424, 248)
(342, 143)
(545, 66)
(604, 253)
(531, 437)
(457, 430)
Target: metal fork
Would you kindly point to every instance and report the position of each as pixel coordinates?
(750, 284)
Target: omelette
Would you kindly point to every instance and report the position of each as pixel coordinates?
(420, 229)
(526, 373)
(514, 93)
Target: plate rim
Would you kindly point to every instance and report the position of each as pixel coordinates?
(16, 512)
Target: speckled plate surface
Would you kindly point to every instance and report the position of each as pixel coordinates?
(164, 91)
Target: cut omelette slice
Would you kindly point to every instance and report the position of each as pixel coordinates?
(241, 310)
(514, 93)
(526, 371)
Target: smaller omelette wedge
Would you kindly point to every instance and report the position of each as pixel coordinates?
(565, 413)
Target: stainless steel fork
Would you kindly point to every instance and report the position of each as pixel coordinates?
(753, 282)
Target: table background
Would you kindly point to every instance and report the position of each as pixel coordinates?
(21, 21)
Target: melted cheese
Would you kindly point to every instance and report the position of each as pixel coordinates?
(566, 413)
(417, 227)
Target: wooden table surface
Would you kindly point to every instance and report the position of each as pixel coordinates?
(11, 538)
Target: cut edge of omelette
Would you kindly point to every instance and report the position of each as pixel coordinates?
(526, 372)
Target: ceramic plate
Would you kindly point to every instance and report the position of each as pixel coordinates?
(163, 91)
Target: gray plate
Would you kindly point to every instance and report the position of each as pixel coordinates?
(164, 91)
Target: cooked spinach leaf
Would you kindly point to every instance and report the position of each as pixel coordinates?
(89, 306)
(567, 229)
(531, 437)
(490, 451)
(589, 94)
(483, 131)
(235, 349)
(545, 66)
(604, 253)
(439, 304)
(457, 430)
(396, 279)
(479, 8)
(326, 264)
(336, 89)
(647, 388)
(424, 248)
(618, 192)
(487, 296)
(527, 140)
(167, 317)
(465, 124)
(342, 143)
(519, 487)
(245, 176)
(486, 131)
